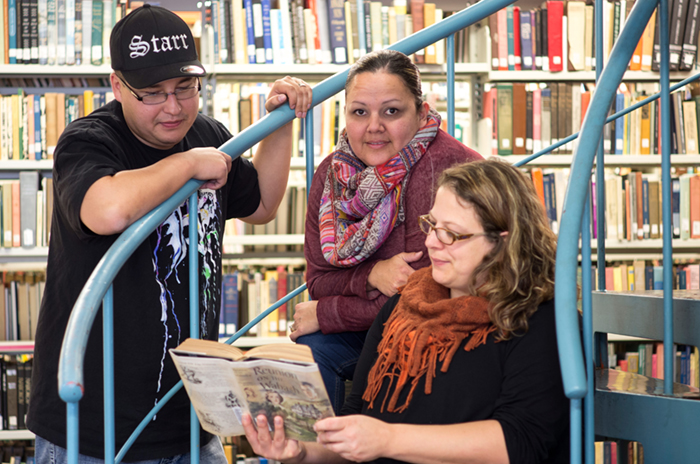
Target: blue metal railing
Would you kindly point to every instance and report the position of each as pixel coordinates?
(99, 285)
(577, 381)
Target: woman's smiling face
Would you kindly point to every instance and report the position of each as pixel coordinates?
(453, 265)
(381, 116)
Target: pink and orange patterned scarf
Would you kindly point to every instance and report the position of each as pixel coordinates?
(360, 204)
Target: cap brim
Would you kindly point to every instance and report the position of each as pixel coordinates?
(147, 77)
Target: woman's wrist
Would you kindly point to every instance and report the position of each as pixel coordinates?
(299, 458)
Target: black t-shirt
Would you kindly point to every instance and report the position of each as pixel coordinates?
(151, 292)
(516, 382)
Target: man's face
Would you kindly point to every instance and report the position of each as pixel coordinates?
(160, 126)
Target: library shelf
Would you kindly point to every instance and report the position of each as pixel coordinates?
(26, 165)
(252, 342)
(263, 261)
(262, 72)
(37, 70)
(17, 347)
(16, 435)
(578, 76)
(269, 239)
(632, 161)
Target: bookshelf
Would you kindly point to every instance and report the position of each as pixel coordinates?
(37, 70)
(579, 76)
(16, 348)
(642, 161)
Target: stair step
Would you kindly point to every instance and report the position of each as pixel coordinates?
(641, 314)
(628, 382)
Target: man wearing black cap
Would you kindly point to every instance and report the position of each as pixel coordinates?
(111, 168)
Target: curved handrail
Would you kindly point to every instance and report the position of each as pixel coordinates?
(570, 353)
(70, 375)
(87, 304)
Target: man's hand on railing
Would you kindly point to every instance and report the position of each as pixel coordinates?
(291, 89)
(209, 164)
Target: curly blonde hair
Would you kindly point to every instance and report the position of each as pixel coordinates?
(518, 273)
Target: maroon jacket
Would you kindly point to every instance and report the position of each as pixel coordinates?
(343, 302)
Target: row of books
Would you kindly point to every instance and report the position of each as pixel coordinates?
(57, 32)
(648, 275)
(560, 36)
(647, 358)
(42, 82)
(290, 220)
(612, 452)
(26, 207)
(312, 31)
(15, 378)
(30, 124)
(247, 293)
(521, 119)
(19, 304)
(633, 206)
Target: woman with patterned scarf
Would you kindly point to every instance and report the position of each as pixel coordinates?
(362, 237)
(462, 364)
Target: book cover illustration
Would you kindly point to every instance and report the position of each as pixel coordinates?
(223, 383)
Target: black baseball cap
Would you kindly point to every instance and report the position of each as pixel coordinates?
(152, 44)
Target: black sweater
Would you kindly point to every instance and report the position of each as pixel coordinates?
(516, 382)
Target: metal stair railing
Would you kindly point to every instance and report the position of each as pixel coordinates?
(577, 382)
(98, 290)
(577, 374)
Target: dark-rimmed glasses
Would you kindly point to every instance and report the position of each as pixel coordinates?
(446, 236)
(161, 97)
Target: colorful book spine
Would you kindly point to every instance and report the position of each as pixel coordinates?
(96, 39)
(267, 35)
(338, 31)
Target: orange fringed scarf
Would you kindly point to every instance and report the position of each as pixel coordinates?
(426, 327)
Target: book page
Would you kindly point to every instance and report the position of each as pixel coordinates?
(295, 392)
(213, 390)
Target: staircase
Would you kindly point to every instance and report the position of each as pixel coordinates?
(634, 407)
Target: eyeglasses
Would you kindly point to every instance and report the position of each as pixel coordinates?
(445, 236)
(161, 97)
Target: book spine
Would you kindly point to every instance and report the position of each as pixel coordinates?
(338, 31)
(96, 39)
(545, 39)
(250, 29)
(267, 34)
(555, 12)
(526, 40)
(517, 52)
(509, 37)
(107, 24)
(34, 31)
(25, 31)
(676, 33)
(86, 46)
(61, 32)
(690, 40)
(323, 26)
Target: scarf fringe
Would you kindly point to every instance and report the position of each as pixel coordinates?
(425, 330)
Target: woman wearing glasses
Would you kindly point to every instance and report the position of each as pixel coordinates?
(362, 238)
(461, 365)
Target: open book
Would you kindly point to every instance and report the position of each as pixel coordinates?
(223, 382)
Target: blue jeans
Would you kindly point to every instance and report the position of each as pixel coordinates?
(47, 453)
(336, 356)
